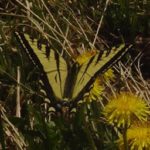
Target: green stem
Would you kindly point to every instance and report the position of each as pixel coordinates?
(125, 138)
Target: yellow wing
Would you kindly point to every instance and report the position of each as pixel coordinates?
(96, 65)
(54, 67)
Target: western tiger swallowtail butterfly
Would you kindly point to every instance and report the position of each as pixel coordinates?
(66, 83)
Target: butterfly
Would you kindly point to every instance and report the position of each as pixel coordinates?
(66, 82)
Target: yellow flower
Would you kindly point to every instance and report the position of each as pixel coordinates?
(96, 90)
(138, 136)
(109, 75)
(124, 108)
(81, 59)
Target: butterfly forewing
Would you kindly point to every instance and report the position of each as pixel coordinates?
(54, 68)
(97, 66)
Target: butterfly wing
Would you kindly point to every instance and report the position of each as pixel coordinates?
(95, 66)
(54, 67)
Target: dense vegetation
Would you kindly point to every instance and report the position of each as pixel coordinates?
(118, 106)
